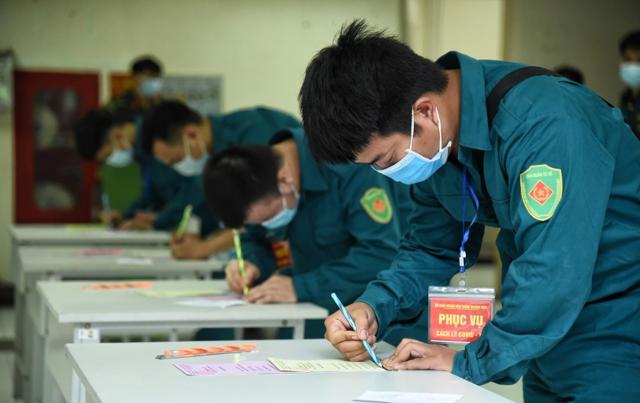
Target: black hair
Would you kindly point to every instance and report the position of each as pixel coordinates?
(146, 64)
(364, 84)
(236, 178)
(630, 41)
(570, 72)
(90, 131)
(165, 121)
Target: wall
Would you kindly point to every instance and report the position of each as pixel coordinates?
(260, 47)
(474, 27)
(584, 33)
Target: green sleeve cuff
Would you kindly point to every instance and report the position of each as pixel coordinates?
(301, 287)
(382, 304)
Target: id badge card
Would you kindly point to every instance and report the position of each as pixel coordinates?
(282, 253)
(458, 314)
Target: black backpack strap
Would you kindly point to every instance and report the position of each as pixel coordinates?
(509, 81)
(493, 102)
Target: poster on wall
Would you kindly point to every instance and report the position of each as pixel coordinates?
(202, 93)
(53, 184)
(6, 80)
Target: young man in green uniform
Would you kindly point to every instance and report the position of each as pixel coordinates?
(181, 141)
(630, 76)
(341, 224)
(539, 156)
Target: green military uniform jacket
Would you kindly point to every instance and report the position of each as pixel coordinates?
(561, 170)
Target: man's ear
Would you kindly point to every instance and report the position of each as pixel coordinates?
(425, 108)
(190, 131)
(285, 180)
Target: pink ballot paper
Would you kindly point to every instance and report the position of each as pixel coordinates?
(222, 369)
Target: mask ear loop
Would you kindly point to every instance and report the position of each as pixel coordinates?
(202, 146)
(413, 126)
(296, 196)
(187, 152)
(439, 128)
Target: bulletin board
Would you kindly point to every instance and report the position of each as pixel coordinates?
(201, 92)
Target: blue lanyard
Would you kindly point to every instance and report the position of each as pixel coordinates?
(466, 229)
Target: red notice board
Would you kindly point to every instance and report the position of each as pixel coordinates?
(53, 184)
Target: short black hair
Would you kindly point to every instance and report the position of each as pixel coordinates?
(236, 178)
(146, 64)
(90, 131)
(570, 72)
(362, 85)
(165, 121)
(630, 41)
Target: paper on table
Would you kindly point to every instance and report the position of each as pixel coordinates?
(149, 253)
(211, 350)
(134, 261)
(118, 286)
(324, 366)
(222, 301)
(405, 397)
(221, 369)
(101, 252)
(84, 227)
(182, 293)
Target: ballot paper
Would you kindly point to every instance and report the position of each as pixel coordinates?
(222, 301)
(406, 397)
(222, 369)
(91, 252)
(118, 286)
(134, 261)
(324, 366)
(85, 227)
(149, 253)
(182, 293)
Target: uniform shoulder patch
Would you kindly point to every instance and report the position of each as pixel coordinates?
(541, 190)
(377, 205)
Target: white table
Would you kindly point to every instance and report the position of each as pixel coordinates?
(77, 234)
(63, 262)
(58, 235)
(114, 373)
(59, 262)
(77, 315)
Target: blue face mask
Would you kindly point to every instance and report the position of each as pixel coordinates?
(630, 74)
(188, 166)
(120, 158)
(284, 217)
(413, 167)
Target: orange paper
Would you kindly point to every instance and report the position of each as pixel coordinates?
(212, 350)
(119, 286)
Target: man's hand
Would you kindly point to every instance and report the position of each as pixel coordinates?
(344, 339)
(414, 354)
(234, 279)
(110, 219)
(189, 246)
(141, 221)
(277, 289)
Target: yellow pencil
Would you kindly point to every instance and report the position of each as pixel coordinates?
(236, 242)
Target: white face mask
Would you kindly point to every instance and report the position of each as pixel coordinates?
(150, 87)
(188, 166)
(630, 74)
(413, 167)
(120, 158)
